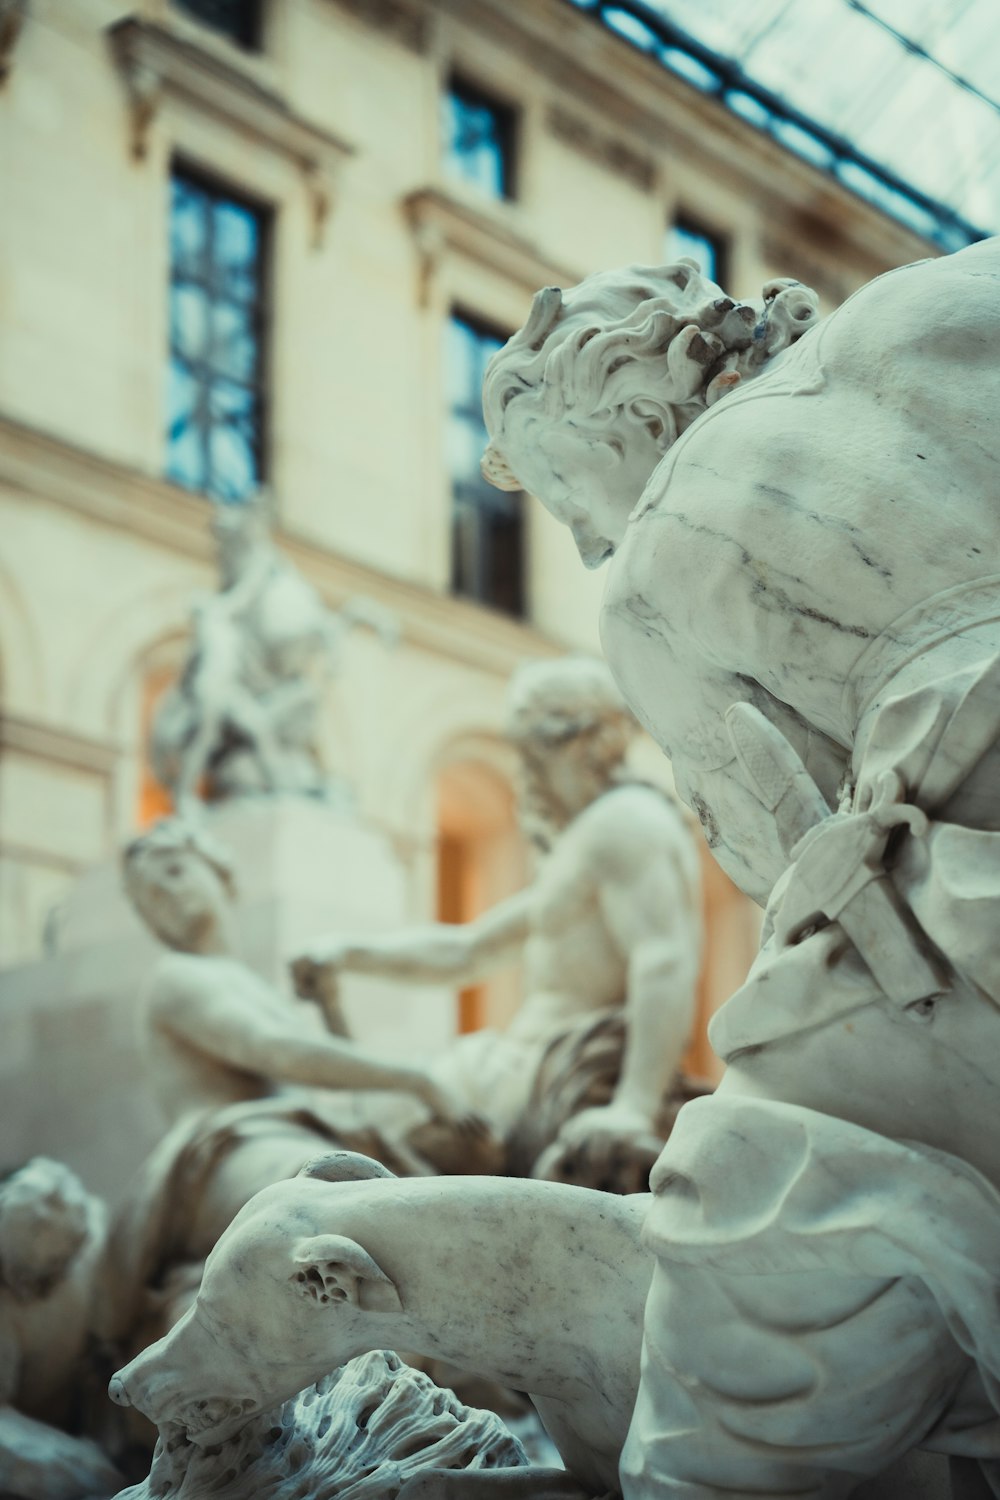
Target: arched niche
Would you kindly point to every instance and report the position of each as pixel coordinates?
(481, 859)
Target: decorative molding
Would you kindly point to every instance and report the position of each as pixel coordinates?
(60, 747)
(155, 63)
(606, 150)
(403, 22)
(49, 469)
(669, 117)
(443, 222)
(13, 14)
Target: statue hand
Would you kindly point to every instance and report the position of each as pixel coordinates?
(611, 1146)
(448, 1108)
(316, 971)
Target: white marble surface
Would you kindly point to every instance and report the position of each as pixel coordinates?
(360, 1433)
(52, 1235)
(312, 1273)
(802, 609)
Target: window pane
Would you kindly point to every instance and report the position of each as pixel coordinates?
(686, 241)
(236, 250)
(188, 229)
(237, 19)
(185, 448)
(216, 369)
(189, 310)
(487, 524)
(478, 140)
(234, 342)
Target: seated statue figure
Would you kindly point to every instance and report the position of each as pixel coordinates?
(608, 933)
(803, 609)
(248, 1079)
(52, 1235)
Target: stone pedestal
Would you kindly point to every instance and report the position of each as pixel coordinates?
(72, 1067)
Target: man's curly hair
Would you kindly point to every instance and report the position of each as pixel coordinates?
(660, 343)
(175, 835)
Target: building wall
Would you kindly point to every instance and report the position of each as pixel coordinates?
(335, 126)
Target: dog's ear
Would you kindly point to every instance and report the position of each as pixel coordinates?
(343, 1166)
(329, 1269)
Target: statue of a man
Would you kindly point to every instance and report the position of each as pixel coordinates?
(52, 1236)
(802, 609)
(610, 928)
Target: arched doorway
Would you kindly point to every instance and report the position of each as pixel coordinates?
(481, 859)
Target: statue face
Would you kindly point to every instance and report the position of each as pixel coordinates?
(277, 1309)
(44, 1223)
(589, 483)
(179, 894)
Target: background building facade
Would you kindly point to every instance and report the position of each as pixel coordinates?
(274, 244)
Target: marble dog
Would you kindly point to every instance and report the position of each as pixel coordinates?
(536, 1285)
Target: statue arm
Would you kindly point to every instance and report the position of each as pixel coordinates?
(436, 953)
(268, 1046)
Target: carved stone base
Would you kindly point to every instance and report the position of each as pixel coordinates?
(361, 1432)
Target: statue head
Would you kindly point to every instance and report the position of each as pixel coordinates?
(572, 729)
(46, 1218)
(582, 403)
(180, 882)
(240, 529)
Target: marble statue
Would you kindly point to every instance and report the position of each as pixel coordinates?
(364, 1430)
(242, 717)
(802, 609)
(609, 930)
(341, 1261)
(51, 1242)
(346, 1259)
(250, 1083)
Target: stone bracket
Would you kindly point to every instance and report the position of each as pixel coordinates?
(441, 222)
(154, 64)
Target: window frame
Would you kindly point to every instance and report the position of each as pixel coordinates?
(688, 223)
(461, 85)
(254, 41)
(482, 327)
(219, 188)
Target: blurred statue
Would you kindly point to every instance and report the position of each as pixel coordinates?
(251, 1082)
(243, 716)
(51, 1241)
(609, 936)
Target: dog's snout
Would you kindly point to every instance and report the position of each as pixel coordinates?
(118, 1392)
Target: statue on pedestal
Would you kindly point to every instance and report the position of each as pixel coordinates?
(242, 719)
(584, 1082)
(52, 1236)
(803, 610)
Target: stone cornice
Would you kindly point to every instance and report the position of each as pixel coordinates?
(61, 747)
(488, 233)
(155, 61)
(125, 500)
(666, 115)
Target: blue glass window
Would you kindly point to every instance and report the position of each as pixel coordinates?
(479, 139)
(215, 395)
(687, 240)
(488, 545)
(237, 19)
